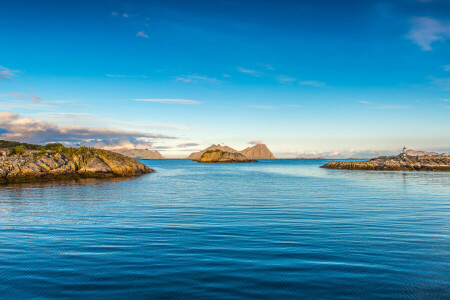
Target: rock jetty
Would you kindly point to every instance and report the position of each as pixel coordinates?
(402, 162)
(219, 156)
(20, 162)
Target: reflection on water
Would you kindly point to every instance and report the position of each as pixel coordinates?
(282, 228)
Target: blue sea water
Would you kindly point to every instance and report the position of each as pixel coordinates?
(275, 229)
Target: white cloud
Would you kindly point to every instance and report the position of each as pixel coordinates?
(447, 68)
(249, 71)
(313, 83)
(125, 15)
(6, 73)
(426, 31)
(142, 34)
(255, 142)
(178, 101)
(25, 129)
(445, 100)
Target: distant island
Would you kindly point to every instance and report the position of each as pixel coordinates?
(22, 162)
(301, 157)
(219, 156)
(409, 160)
(140, 153)
(258, 151)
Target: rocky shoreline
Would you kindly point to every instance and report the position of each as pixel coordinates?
(29, 163)
(400, 162)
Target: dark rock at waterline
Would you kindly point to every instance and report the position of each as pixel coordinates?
(402, 162)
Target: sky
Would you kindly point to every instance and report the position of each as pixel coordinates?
(307, 78)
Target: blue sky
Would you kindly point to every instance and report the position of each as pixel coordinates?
(335, 78)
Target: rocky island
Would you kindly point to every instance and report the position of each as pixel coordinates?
(220, 156)
(401, 162)
(21, 162)
(258, 151)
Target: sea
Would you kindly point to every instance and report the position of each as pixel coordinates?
(276, 229)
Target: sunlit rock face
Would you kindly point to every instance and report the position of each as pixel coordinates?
(219, 156)
(29, 162)
(259, 151)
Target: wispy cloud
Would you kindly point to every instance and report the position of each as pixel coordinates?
(176, 101)
(285, 79)
(313, 83)
(425, 31)
(445, 100)
(32, 97)
(125, 76)
(250, 72)
(196, 78)
(124, 15)
(93, 119)
(31, 130)
(443, 83)
(382, 106)
(256, 142)
(267, 66)
(187, 145)
(6, 73)
(447, 68)
(142, 34)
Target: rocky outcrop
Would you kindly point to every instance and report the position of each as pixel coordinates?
(219, 156)
(412, 152)
(400, 162)
(198, 155)
(140, 153)
(65, 163)
(259, 151)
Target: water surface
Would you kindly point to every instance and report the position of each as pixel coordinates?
(278, 228)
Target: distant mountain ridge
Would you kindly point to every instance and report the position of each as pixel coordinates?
(259, 151)
(140, 153)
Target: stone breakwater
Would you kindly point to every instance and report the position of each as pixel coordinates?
(395, 163)
(32, 165)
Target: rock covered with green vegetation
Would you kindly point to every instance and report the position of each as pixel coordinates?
(220, 156)
(21, 162)
(400, 162)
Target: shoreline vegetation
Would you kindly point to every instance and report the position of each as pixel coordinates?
(22, 162)
(401, 162)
